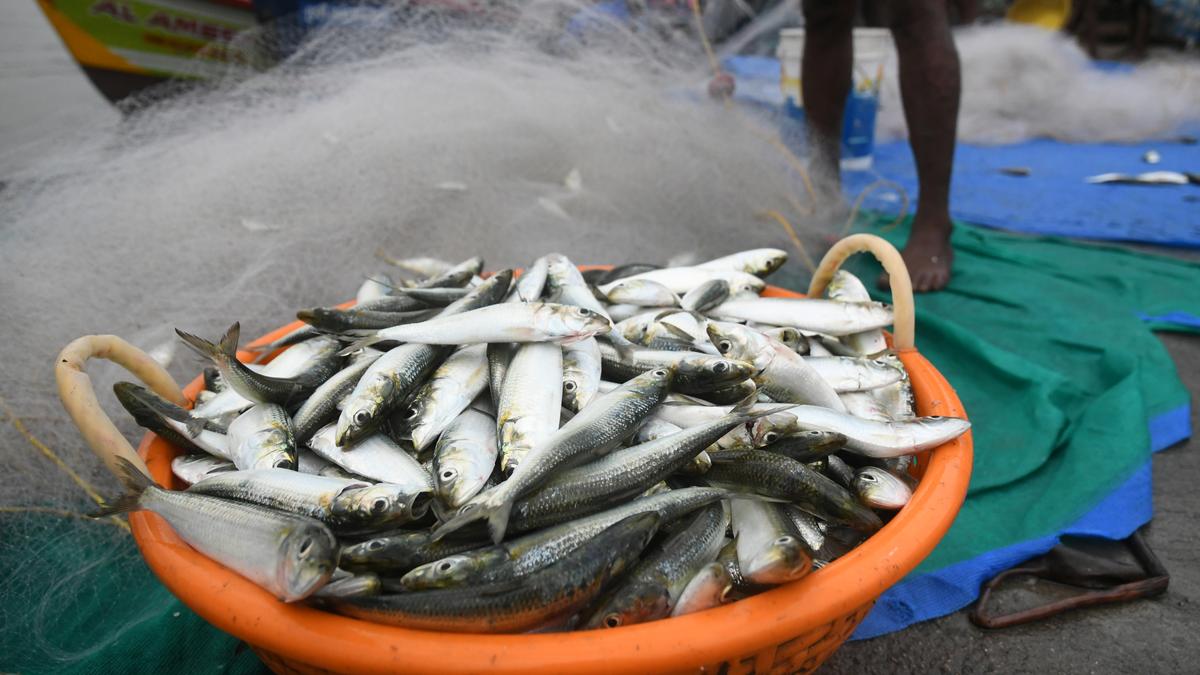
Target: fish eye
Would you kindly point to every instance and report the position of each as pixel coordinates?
(870, 478)
(305, 547)
(374, 545)
(720, 367)
(449, 474)
(582, 311)
(570, 386)
(445, 566)
(785, 540)
(770, 437)
(724, 346)
(660, 373)
(814, 434)
(362, 417)
(379, 505)
(612, 620)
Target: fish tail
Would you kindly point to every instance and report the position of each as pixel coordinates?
(135, 481)
(224, 350)
(494, 511)
(497, 519)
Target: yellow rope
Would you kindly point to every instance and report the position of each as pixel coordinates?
(879, 183)
(65, 514)
(791, 232)
(50, 454)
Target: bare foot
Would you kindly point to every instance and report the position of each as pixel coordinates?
(928, 256)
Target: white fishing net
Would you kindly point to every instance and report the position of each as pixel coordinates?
(1021, 82)
(271, 193)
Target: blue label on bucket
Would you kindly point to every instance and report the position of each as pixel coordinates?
(858, 128)
(858, 125)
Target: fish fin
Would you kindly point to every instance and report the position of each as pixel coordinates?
(746, 405)
(361, 343)
(678, 332)
(195, 425)
(625, 349)
(751, 414)
(495, 512)
(135, 481)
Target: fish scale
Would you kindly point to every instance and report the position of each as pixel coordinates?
(560, 588)
(651, 588)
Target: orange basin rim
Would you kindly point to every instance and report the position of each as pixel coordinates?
(325, 640)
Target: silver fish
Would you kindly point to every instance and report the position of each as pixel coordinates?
(653, 586)
(507, 322)
(618, 475)
(641, 292)
(310, 462)
(782, 374)
(522, 555)
(375, 457)
(680, 280)
(262, 437)
(880, 489)
(759, 261)
(852, 374)
(811, 528)
(530, 402)
(845, 287)
(709, 587)
(464, 458)
(768, 549)
(345, 505)
(195, 468)
(449, 391)
(866, 437)
(531, 283)
(809, 314)
(597, 429)
(565, 284)
(375, 286)
(321, 407)
(581, 373)
(288, 555)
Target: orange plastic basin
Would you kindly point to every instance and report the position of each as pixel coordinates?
(792, 628)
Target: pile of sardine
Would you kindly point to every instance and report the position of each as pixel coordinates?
(564, 449)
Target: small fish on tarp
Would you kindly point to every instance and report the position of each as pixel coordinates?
(1148, 178)
(1018, 171)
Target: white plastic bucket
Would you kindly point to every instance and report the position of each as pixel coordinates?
(872, 49)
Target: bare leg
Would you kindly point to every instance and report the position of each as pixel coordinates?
(825, 84)
(929, 87)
